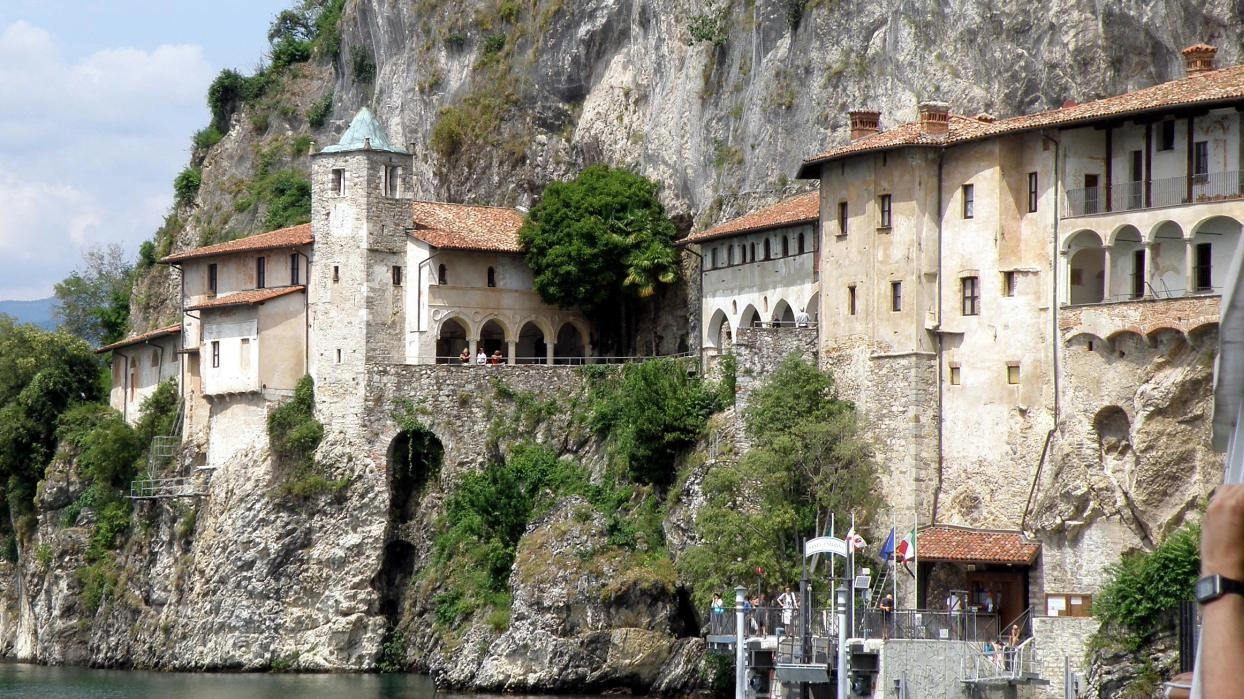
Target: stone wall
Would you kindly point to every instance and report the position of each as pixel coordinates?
(759, 351)
(926, 668)
(1057, 638)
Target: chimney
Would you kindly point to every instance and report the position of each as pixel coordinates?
(934, 118)
(1198, 58)
(864, 123)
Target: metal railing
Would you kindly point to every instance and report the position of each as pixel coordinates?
(1000, 663)
(933, 625)
(178, 487)
(1168, 191)
(456, 360)
(772, 621)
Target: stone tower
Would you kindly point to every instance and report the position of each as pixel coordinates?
(360, 216)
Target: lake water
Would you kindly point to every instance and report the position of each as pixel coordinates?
(19, 680)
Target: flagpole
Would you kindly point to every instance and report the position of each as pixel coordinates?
(893, 562)
(915, 553)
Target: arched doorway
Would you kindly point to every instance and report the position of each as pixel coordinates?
(750, 317)
(450, 341)
(492, 339)
(718, 330)
(1167, 268)
(783, 316)
(1128, 279)
(812, 309)
(571, 347)
(1213, 246)
(1086, 263)
(531, 346)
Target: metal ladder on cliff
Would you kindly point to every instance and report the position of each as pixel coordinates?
(159, 455)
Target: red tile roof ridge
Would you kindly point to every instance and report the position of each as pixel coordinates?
(288, 237)
(249, 297)
(466, 226)
(142, 337)
(1221, 85)
(797, 209)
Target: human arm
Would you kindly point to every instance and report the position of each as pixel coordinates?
(1222, 553)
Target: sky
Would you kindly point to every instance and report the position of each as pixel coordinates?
(99, 100)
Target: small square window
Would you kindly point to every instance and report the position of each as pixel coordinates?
(969, 201)
(954, 375)
(1012, 373)
(339, 181)
(896, 296)
(885, 205)
(1008, 283)
(397, 275)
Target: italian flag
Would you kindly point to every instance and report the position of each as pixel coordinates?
(906, 549)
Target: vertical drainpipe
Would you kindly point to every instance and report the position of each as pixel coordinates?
(1054, 282)
(181, 363)
(306, 320)
(941, 159)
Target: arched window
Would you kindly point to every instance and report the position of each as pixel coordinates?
(492, 277)
(441, 277)
(752, 254)
(155, 359)
(801, 243)
(730, 254)
(785, 245)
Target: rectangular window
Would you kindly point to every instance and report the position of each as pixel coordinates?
(954, 375)
(336, 274)
(1204, 270)
(1008, 283)
(1138, 273)
(397, 275)
(851, 300)
(244, 360)
(1136, 173)
(1200, 160)
(1012, 373)
(211, 279)
(842, 218)
(896, 296)
(215, 353)
(1166, 135)
(1032, 192)
(713, 258)
(392, 175)
(885, 210)
(261, 272)
(295, 270)
(969, 201)
(339, 181)
(971, 296)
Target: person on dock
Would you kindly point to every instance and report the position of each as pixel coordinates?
(718, 608)
(789, 602)
(886, 607)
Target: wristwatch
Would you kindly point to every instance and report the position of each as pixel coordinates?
(1211, 587)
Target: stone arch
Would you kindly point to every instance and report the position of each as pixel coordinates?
(782, 314)
(532, 345)
(718, 330)
(451, 339)
(1127, 264)
(1086, 265)
(1214, 242)
(749, 318)
(1114, 434)
(1202, 331)
(413, 457)
(493, 335)
(1168, 257)
(571, 345)
(813, 307)
(1089, 341)
(1167, 339)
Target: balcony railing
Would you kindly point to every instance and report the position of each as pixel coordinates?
(1170, 191)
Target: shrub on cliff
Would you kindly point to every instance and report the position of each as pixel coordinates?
(809, 460)
(1143, 590)
(649, 412)
(294, 434)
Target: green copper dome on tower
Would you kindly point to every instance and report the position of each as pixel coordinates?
(365, 133)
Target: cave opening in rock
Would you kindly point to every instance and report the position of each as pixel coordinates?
(414, 457)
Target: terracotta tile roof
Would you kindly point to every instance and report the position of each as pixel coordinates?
(250, 297)
(291, 237)
(1225, 85)
(946, 542)
(798, 209)
(466, 226)
(137, 339)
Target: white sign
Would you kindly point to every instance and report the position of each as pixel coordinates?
(825, 544)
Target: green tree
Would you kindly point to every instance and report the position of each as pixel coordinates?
(93, 302)
(809, 459)
(600, 242)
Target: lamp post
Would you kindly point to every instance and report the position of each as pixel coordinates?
(740, 672)
(841, 598)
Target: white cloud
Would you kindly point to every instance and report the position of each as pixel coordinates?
(88, 148)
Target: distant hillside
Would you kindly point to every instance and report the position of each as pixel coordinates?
(39, 312)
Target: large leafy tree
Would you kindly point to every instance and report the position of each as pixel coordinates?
(603, 243)
(93, 302)
(809, 459)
